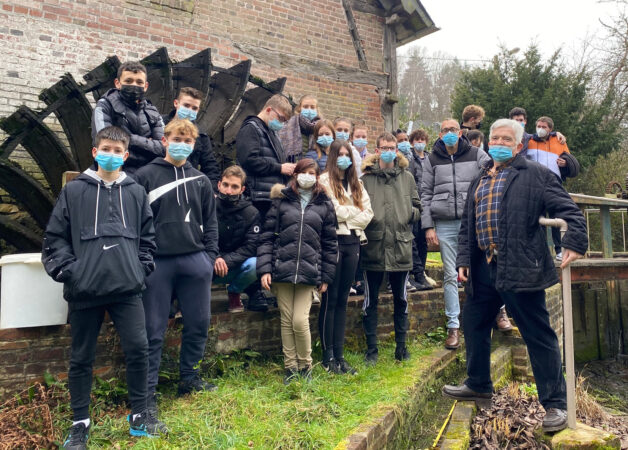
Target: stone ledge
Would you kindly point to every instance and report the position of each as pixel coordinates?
(583, 437)
(381, 432)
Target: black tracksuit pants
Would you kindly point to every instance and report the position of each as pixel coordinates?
(398, 282)
(333, 312)
(531, 316)
(419, 250)
(189, 277)
(128, 317)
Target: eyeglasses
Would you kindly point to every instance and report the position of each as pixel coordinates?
(387, 149)
(281, 117)
(450, 130)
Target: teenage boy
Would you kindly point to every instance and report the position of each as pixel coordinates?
(184, 207)
(186, 106)
(99, 243)
(125, 107)
(418, 141)
(238, 233)
(259, 151)
(389, 234)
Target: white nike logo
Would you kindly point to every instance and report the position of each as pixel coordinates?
(107, 247)
(187, 216)
(161, 190)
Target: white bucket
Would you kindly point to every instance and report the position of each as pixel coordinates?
(28, 296)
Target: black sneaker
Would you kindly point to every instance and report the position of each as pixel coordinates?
(146, 425)
(344, 367)
(422, 281)
(306, 374)
(195, 384)
(257, 302)
(402, 353)
(329, 365)
(415, 285)
(290, 375)
(371, 356)
(77, 437)
(359, 289)
(151, 404)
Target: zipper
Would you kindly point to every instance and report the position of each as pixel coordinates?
(453, 169)
(296, 273)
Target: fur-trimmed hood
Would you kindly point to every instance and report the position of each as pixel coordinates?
(371, 162)
(279, 191)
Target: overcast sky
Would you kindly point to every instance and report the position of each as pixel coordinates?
(476, 28)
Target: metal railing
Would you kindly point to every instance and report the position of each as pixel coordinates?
(604, 206)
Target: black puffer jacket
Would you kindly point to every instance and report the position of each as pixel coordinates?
(143, 123)
(238, 231)
(298, 246)
(202, 158)
(260, 154)
(524, 262)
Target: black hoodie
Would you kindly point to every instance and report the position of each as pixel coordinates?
(238, 229)
(184, 208)
(99, 240)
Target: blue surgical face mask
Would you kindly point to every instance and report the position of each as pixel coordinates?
(108, 161)
(324, 141)
(309, 114)
(360, 143)
(186, 113)
(419, 146)
(343, 162)
(522, 124)
(500, 153)
(404, 147)
(450, 139)
(275, 125)
(179, 150)
(342, 135)
(388, 156)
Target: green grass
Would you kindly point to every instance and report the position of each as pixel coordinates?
(252, 407)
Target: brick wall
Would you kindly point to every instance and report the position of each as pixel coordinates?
(43, 39)
(25, 354)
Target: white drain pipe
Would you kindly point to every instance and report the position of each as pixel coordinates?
(567, 327)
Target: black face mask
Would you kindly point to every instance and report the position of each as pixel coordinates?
(477, 127)
(131, 94)
(234, 198)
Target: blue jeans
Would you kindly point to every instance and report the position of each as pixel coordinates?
(240, 278)
(447, 232)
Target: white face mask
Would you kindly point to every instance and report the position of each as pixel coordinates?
(541, 132)
(306, 180)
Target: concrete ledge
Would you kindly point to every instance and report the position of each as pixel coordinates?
(395, 423)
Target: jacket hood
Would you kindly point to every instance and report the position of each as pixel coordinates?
(279, 191)
(256, 120)
(463, 146)
(371, 162)
(241, 204)
(91, 177)
(162, 162)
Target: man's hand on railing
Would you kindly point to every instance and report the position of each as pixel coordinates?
(569, 256)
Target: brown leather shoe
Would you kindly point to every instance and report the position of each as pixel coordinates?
(452, 342)
(503, 324)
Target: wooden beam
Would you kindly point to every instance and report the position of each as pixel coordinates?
(355, 35)
(369, 7)
(299, 64)
(390, 108)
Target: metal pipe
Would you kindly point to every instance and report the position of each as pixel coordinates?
(567, 327)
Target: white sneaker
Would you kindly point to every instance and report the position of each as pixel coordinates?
(352, 291)
(410, 287)
(559, 256)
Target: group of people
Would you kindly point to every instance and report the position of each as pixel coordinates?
(307, 213)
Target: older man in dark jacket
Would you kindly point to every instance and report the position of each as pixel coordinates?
(504, 258)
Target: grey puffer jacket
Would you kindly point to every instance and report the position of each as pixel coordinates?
(446, 179)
